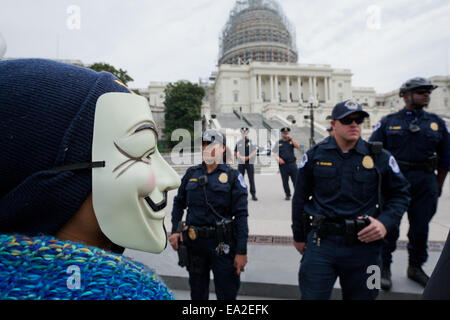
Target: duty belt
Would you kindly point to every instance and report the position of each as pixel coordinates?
(195, 232)
(323, 227)
(429, 165)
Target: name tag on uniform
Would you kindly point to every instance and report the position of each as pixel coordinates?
(395, 127)
(192, 180)
(327, 164)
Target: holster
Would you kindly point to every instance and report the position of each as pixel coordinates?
(352, 227)
(225, 231)
(183, 255)
(306, 224)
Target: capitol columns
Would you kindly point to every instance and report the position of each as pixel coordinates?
(327, 98)
(253, 89)
(311, 92)
(277, 97)
(315, 88)
(259, 99)
(299, 88)
(272, 98)
(288, 92)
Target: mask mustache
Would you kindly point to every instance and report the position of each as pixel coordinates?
(157, 206)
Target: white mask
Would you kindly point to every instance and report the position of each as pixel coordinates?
(130, 192)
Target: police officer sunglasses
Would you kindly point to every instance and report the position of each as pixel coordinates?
(422, 91)
(347, 121)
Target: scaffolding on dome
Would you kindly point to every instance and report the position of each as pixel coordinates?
(257, 30)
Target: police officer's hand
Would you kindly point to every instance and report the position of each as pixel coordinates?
(240, 260)
(281, 161)
(173, 239)
(300, 246)
(373, 232)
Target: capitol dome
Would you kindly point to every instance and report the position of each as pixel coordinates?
(257, 30)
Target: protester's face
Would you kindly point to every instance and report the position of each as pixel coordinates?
(348, 128)
(130, 192)
(212, 152)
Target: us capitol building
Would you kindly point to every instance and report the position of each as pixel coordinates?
(259, 82)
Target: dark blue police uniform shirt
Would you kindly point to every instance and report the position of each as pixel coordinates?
(228, 198)
(338, 185)
(393, 131)
(285, 150)
(245, 148)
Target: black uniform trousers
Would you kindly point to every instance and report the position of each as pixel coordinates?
(204, 259)
(250, 168)
(288, 170)
(424, 197)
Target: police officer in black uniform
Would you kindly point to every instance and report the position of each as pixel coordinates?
(216, 230)
(337, 220)
(419, 142)
(283, 151)
(245, 152)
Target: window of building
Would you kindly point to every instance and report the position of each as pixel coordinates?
(236, 97)
(235, 82)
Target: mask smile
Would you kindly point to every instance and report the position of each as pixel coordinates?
(157, 206)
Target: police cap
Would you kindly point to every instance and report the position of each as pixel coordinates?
(214, 136)
(285, 130)
(346, 108)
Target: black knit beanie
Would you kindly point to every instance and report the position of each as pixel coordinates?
(46, 121)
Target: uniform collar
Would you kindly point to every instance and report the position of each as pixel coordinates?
(419, 114)
(360, 147)
(221, 167)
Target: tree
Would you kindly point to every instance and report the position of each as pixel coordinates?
(183, 101)
(121, 74)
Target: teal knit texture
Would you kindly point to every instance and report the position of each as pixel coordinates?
(45, 268)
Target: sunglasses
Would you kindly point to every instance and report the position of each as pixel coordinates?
(348, 121)
(422, 91)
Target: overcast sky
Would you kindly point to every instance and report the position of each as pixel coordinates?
(383, 42)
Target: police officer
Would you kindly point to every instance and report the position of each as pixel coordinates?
(283, 151)
(245, 152)
(419, 141)
(335, 220)
(216, 230)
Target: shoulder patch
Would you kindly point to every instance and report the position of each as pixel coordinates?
(304, 161)
(377, 126)
(242, 181)
(394, 165)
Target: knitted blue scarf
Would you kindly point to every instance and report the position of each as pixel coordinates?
(46, 268)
